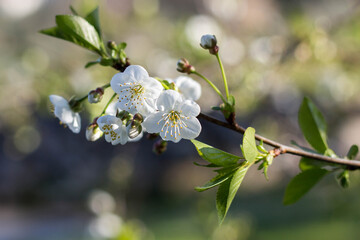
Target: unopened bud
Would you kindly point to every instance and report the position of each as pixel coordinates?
(96, 95)
(111, 45)
(159, 147)
(134, 129)
(93, 132)
(138, 118)
(124, 115)
(184, 66)
(152, 136)
(209, 42)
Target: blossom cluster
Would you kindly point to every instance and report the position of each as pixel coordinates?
(143, 105)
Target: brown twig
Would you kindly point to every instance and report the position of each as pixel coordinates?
(353, 164)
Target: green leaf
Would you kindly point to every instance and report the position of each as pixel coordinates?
(353, 151)
(307, 163)
(218, 179)
(93, 19)
(313, 125)
(231, 100)
(80, 31)
(249, 145)
(302, 183)
(227, 191)
(92, 63)
(122, 46)
(211, 165)
(214, 155)
(216, 108)
(344, 179)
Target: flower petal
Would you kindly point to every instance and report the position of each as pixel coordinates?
(153, 123)
(75, 126)
(190, 108)
(58, 101)
(192, 128)
(168, 100)
(170, 136)
(137, 72)
(120, 81)
(152, 87)
(190, 88)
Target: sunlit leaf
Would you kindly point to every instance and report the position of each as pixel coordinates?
(313, 125)
(93, 19)
(249, 145)
(214, 155)
(81, 30)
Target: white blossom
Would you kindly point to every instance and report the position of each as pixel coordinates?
(188, 87)
(137, 91)
(175, 119)
(63, 111)
(115, 130)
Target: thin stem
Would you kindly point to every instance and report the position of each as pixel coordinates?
(283, 148)
(223, 75)
(108, 103)
(212, 85)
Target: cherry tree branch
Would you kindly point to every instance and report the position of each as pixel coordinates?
(281, 148)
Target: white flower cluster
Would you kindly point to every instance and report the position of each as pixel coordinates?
(170, 113)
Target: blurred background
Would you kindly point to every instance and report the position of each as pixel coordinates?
(55, 185)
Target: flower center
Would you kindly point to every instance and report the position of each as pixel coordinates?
(108, 129)
(132, 95)
(173, 123)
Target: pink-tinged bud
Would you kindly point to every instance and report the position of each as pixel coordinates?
(96, 95)
(184, 66)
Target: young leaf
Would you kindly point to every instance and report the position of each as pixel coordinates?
(81, 30)
(249, 145)
(93, 19)
(302, 183)
(89, 64)
(313, 125)
(353, 151)
(218, 179)
(227, 191)
(214, 155)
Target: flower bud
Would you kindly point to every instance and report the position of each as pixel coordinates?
(152, 136)
(93, 132)
(184, 66)
(96, 95)
(159, 147)
(208, 41)
(111, 45)
(138, 118)
(134, 129)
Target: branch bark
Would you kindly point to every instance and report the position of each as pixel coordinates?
(352, 164)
